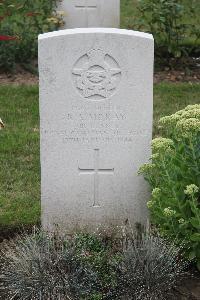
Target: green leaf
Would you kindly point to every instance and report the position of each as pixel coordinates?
(195, 223)
(195, 237)
(192, 255)
(177, 53)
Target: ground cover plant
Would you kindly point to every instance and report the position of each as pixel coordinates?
(42, 266)
(49, 266)
(19, 146)
(150, 268)
(174, 176)
(20, 23)
(89, 267)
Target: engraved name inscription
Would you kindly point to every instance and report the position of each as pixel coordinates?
(97, 124)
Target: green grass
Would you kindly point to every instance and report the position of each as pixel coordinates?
(19, 152)
(19, 146)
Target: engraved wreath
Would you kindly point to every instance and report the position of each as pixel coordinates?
(96, 75)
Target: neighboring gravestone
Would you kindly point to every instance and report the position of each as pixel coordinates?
(90, 13)
(96, 91)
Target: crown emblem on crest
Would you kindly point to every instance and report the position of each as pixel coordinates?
(96, 55)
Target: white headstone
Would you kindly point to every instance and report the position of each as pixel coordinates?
(96, 100)
(90, 13)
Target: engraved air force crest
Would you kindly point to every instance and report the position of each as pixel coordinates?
(96, 75)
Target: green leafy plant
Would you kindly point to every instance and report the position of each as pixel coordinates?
(171, 23)
(174, 176)
(20, 23)
(101, 254)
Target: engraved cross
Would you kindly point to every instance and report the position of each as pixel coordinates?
(96, 171)
(87, 5)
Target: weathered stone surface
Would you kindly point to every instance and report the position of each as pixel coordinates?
(96, 91)
(90, 13)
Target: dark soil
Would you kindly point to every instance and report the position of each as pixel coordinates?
(10, 232)
(177, 76)
(22, 76)
(189, 288)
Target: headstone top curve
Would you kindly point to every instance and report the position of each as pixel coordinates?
(66, 32)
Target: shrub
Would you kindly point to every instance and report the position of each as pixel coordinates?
(150, 269)
(20, 24)
(174, 176)
(45, 267)
(88, 267)
(171, 23)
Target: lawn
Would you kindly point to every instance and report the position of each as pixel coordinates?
(19, 145)
(19, 152)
